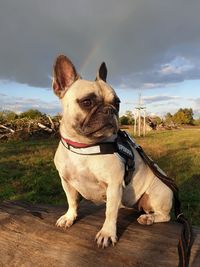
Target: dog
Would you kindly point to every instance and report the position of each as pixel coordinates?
(90, 116)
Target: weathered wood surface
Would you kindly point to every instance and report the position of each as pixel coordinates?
(28, 237)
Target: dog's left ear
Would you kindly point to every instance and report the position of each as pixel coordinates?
(64, 74)
(102, 73)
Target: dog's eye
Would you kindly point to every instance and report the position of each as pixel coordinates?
(86, 102)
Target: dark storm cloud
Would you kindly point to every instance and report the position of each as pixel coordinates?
(135, 37)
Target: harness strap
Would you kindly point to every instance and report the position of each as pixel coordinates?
(119, 146)
(186, 239)
(126, 151)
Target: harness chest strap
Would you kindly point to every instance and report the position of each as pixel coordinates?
(119, 146)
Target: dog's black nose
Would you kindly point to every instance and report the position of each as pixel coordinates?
(108, 110)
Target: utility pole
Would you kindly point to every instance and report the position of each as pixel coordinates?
(137, 116)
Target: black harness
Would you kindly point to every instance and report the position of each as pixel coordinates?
(120, 146)
(125, 150)
(123, 146)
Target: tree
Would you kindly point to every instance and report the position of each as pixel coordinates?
(124, 120)
(168, 118)
(127, 119)
(31, 114)
(130, 116)
(184, 116)
(189, 114)
(7, 116)
(158, 120)
(180, 118)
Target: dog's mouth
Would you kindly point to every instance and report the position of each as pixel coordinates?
(105, 130)
(108, 126)
(99, 124)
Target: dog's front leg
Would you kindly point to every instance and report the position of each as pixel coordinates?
(69, 217)
(108, 231)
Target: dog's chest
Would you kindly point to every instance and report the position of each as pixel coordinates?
(85, 174)
(87, 184)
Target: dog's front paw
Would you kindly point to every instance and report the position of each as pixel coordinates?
(105, 237)
(66, 220)
(146, 219)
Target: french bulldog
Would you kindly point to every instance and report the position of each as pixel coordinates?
(90, 116)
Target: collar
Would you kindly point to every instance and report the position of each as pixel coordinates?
(74, 144)
(85, 149)
(120, 145)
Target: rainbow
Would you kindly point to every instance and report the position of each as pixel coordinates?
(89, 57)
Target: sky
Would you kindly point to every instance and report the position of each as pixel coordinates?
(151, 47)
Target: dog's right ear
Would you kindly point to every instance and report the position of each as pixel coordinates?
(64, 74)
(102, 73)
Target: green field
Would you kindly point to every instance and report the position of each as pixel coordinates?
(27, 171)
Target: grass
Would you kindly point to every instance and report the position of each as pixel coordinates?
(27, 170)
(178, 154)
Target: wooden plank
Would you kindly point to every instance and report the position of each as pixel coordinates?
(28, 237)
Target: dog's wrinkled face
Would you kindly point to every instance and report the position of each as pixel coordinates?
(90, 108)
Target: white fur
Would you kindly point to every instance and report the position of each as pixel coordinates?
(100, 177)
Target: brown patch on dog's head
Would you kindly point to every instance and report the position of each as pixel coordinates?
(64, 74)
(100, 113)
(90, 108)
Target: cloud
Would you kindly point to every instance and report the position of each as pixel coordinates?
(138, 39)
(179, 65)
(164, 75)
(2, 95)
(195, 104)
(159, 98)
(20, 104)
